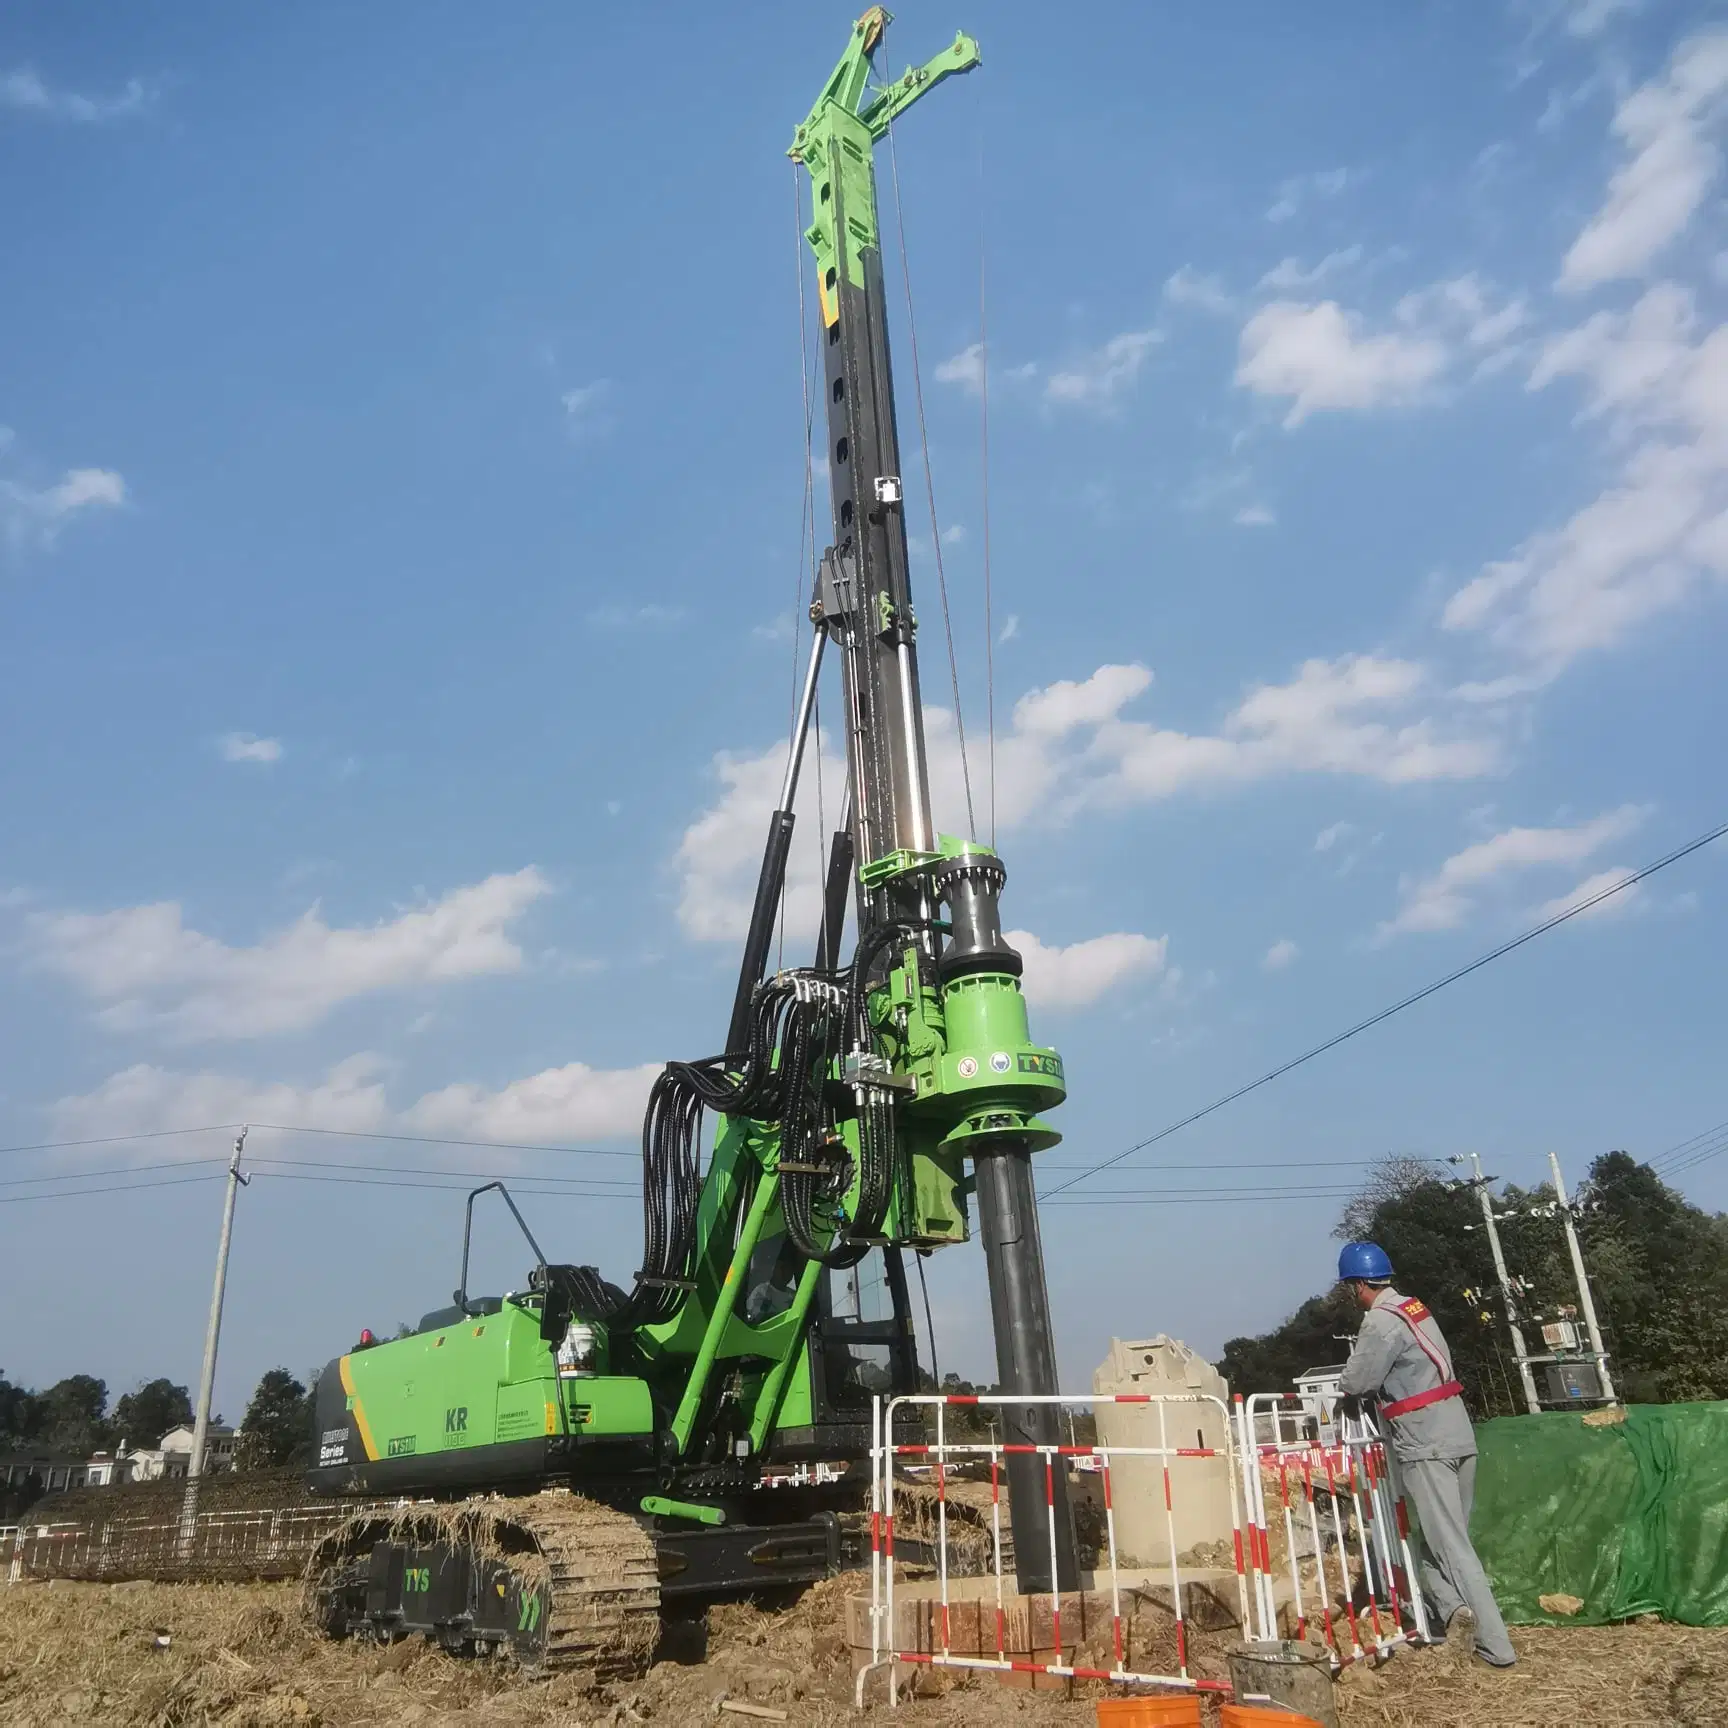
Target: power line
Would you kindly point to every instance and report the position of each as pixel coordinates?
(437, 1140)
(440, 1187)
(122, 1170)
(1399, 1006)
(1244, 1193)
(336, 1133)
(119, 1139)
(125, 1188)
(1243, 1199)
(265, 1168)
(1703, 1155)
(1273, 1164)
(620, 1182)
(1679, 1156)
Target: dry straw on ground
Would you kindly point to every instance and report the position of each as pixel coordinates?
(240, 1656)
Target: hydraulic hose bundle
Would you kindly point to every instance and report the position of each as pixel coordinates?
(801, 1023)
(814, 1161)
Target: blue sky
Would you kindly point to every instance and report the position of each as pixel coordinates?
(400, 500)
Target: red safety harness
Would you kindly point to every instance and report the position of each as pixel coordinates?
(1411, 1311)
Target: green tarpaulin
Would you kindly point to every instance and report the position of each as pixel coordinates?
(1632, 1517)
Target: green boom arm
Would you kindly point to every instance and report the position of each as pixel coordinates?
(834, 144)
(846, 84)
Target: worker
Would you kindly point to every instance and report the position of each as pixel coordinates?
(1401, 1358)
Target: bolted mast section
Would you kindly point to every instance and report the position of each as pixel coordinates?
(952, 1019)
(864, 598)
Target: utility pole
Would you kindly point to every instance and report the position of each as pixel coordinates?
(207, 1384)
(1520, 1353)
(1585, 1300)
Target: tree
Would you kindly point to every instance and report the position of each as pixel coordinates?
(142, 1417)
(72, 1416)
(277, 1428)
(1310, 1338)
(20, 1415)
(1658, 1266)
(1392, 1178)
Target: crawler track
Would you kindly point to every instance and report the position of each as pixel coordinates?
(560, 1582)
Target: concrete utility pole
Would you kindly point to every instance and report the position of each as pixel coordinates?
(1585, 1300)
(1520, 1352)
(212, 1332)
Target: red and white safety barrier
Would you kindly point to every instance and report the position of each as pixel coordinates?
(1333, 1473)
(943, 1453)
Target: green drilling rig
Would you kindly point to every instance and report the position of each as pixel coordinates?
(539, 1469)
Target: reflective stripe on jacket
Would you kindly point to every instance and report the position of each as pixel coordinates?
(1399, 1353)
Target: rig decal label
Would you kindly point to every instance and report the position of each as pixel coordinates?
(1040, 1062)
(1001, 1062)
(345, 1371)
(966, 1067)
(403, 1446)
(456, 1425)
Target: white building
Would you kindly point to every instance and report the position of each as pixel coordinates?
(172, 1455)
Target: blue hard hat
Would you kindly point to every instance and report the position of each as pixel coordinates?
(1364, 1260)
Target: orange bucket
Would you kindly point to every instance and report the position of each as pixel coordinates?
(1150, 1710)
(1257, 1716)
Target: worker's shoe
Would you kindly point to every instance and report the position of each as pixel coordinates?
(1461, 1635)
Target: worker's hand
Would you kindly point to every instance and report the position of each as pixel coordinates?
(1354, 1407)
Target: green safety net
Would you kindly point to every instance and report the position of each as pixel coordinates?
(1632, 1517)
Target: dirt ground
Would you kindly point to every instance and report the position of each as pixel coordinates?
(238, 1656)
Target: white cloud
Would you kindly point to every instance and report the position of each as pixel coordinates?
(145, 1099)
(1303, 189)
(1191, 287)
(1592, 17)
(1100, 378)
(587, 408)
(571, 1103)
(1010, 629)
(721, 851)
(1327, 838)
(25, 91)
(1255, 516)
(560, 1106)
(148, 970)
(1672, 162)
(1445, 900)
(1463, 307)
(965, 369)
(1588, 889)
(1281, 954)
(1289, 274)
(249, 747)
(37, 514)
(1658, 532)
(1320, 357)
(1079, 974)
(1069, 748)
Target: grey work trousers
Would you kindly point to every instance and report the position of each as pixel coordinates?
(1442, 1490)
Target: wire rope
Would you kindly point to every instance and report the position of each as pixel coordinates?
(930, 485)
(1415, 996)
(984, 473)
(806, 511)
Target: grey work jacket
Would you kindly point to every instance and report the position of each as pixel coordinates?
(1387, 1362)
